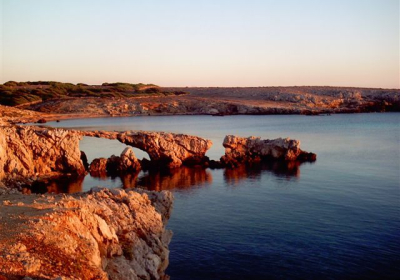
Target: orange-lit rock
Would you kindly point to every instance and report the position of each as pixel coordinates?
(126, 162)
(103, 234)
(98, 167)
(30, 151)
(239, 149)
(168, 149)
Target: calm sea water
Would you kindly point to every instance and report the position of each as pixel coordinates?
(338, 218)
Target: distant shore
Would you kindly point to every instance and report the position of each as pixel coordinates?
(69, 101)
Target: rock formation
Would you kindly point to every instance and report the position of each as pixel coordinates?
(98, 167)
(31, 151)
(239, 149)
(126, 162)
(14, 115)
(172, 150)
(229, 101)
(103, 234)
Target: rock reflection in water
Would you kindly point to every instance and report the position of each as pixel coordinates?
(130, 180)
(177, 178)
(170, 179)
(282, 169)
(65, 184)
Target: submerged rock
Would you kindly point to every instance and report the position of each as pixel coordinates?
(239, 149)
(103, 234)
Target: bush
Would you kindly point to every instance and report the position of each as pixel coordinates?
(11, 84)
(152, 90)
(13, 93)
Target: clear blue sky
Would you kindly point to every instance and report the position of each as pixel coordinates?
(202, 43)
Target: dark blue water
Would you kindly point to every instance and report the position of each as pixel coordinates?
(338, 218)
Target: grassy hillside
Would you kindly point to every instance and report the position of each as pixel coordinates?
(19, 93)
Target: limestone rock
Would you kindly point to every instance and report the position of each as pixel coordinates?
(172, 150)
(30, 151)
(127, 162)
(239, 149)
(98, 167)
(102, 234)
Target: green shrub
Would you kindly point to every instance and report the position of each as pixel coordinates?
(16, 93)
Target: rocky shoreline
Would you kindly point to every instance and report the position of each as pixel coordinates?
(215, 101)
(34, 152)
(103, 233)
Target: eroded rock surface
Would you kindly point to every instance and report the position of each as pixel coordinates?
(103, 234)
(234, 100)
(14, 115)
(126, 162)
(30, 151)
(98, 167)
(240, 149)
(163, 148)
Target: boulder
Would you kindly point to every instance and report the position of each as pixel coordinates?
(126, 162)
(250, 149)
(98, 167)
(31, 151)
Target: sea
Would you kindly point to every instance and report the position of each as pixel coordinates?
(336, 218)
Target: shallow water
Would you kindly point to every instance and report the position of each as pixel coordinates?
(337, 218)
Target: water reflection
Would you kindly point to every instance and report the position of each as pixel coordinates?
(182, 178)
(178, 178)
(281, 169)
(65, 184)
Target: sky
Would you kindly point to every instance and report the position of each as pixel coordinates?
(202, 43)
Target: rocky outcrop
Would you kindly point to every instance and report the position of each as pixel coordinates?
(31, 151)
(164, 149)
(228, 101)
(98, 167)
(239, 150)
(103, 234)
(126, 162)
(14, 115)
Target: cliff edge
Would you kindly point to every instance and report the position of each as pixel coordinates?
(102, 234)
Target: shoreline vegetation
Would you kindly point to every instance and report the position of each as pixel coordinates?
(25, 93)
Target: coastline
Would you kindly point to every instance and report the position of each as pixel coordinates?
(15, 115)
(218, 101)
